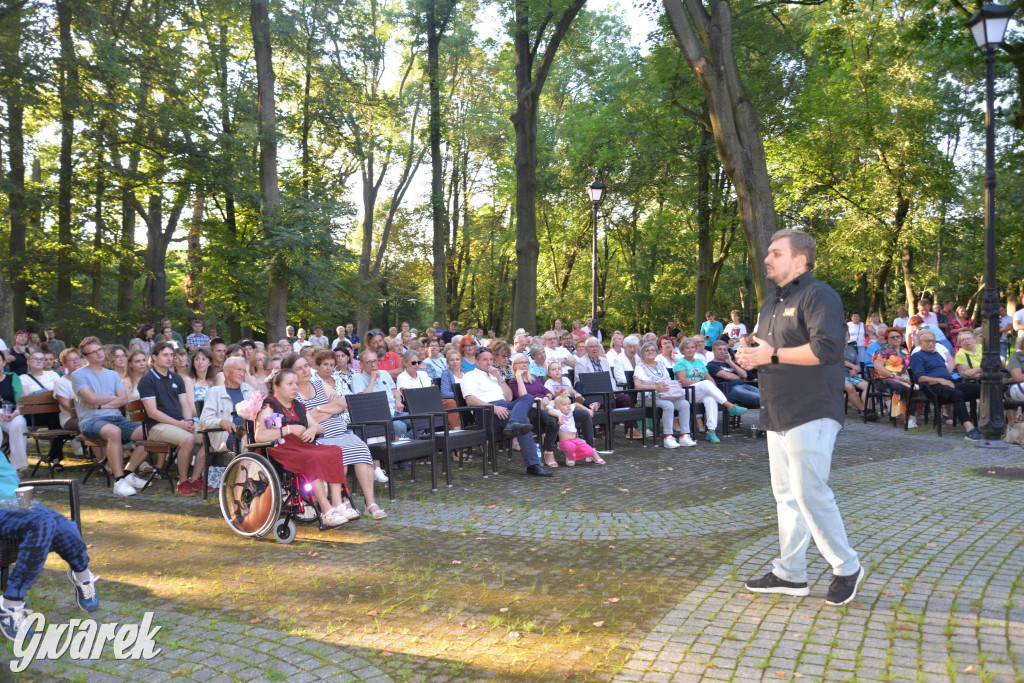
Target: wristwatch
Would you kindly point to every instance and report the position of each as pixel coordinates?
(775, 356)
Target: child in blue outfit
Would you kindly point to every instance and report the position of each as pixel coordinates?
(39, 530)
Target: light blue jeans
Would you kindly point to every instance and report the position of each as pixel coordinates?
(800, 460)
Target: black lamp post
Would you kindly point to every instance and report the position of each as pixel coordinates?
(596, 191)
(988, 25)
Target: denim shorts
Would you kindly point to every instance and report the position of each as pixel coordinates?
(91, 428)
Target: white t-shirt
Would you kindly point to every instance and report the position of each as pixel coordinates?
(1018, 318)
(482, 385)
(3, 345)
(901, 322)
(735, 331)
(856, 333)
(30, 384)
(407, 381)
(939, 349)
(559, 353)
(62, 389)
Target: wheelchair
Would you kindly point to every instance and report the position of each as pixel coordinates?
(258, 496)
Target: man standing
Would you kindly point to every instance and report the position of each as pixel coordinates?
(56, 345)
(318, 338)
(799, 355)
(197, 338)
(453, 329)
(711, 329)
(169, 415)
(485, 386)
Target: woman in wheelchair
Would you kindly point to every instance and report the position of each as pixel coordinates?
(295, 450)
(319, 398)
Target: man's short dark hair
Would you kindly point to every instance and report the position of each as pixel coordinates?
(484, 350)
(160, 346)
(247, 342)
(217, 340)
(799, 243)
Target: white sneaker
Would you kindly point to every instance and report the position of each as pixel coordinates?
(135, 480)
(911, 423)
(124, 488)
(76, 447)
(379, 476)
(650, 434)
(670, 442)
(687, 441)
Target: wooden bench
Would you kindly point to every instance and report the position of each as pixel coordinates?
(37, 409)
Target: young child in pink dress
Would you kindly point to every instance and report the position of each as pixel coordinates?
(569, 442)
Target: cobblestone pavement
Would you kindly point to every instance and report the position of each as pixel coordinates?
(632, 571)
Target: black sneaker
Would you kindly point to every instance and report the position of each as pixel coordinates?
(973, 435)
(844, 588)
(769, 583)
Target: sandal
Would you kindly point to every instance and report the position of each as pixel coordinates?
(596, 459)
(348, 510)
(374, 511)
(569, 462)
(553, 463)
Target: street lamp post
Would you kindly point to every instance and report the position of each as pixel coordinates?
(988, 25)
(596, 191)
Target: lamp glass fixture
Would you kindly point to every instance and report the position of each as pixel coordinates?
(596, 191)
(989, 24)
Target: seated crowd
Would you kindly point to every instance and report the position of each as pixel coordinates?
(192, 384)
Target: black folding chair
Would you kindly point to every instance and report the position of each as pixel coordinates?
(370, 418)
(598, 385)
(427, 401)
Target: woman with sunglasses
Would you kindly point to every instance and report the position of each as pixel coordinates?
(411, 377)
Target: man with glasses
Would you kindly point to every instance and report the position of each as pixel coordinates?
(52, 343)
(99, 398)
(933, 374)
(553, 352)
(372, 378)
(387, 361)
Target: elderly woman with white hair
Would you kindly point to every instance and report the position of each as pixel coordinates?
(669, 396)
(219, 405)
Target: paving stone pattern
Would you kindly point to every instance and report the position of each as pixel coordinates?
(628, 572)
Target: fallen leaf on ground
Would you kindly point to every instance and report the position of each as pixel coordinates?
(456, 561)
(503, 609)
(612, 600)
(598, 624)
(257, 620)
(386, 653)
(969, 670)
(372, 613)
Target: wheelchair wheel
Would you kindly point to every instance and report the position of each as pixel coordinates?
(284, 531)
(250, 495)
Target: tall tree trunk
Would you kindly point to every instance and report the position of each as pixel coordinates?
(707, 44)
(275, 317)
(67, 91)
(16, 197)
(702, 298)
(908, 274)
(435, 30)
(194, 281)
(98, 261)
(529, 84)
(861, 279)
